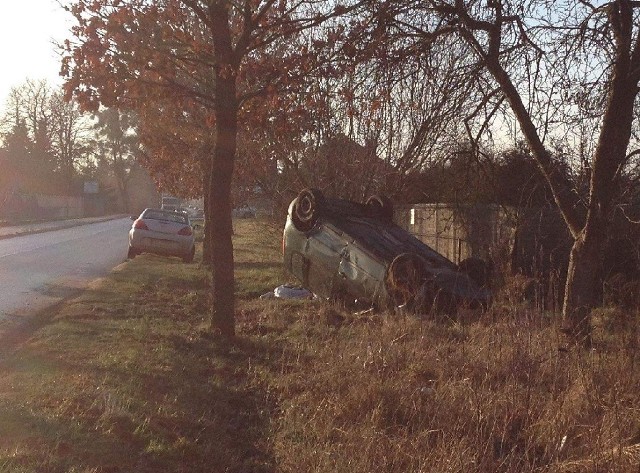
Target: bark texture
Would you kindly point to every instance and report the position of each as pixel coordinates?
(581, 291)
(208, 223)
(222, 163)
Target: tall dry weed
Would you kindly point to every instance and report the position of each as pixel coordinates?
(396, 394)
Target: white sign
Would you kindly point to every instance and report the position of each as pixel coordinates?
(90, 187)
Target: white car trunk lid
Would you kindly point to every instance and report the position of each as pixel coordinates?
(162, 226)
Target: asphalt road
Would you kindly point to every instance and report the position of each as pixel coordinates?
(39, 270)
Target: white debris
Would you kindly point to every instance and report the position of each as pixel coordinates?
(288, 292)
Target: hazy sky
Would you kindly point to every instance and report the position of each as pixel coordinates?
(28, 29)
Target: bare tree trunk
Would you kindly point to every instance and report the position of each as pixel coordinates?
(126, 206)
(208, 222)
(223, 316)
(581, 290)
(581, 293)
(225, 144)
(124, 193)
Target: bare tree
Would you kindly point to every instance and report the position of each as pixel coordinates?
(69, 136)
(55, 127)
(557, 65)
(29, 105)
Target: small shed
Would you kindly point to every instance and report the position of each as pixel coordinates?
(460, 231)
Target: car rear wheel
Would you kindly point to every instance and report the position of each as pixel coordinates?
(380, 207)
(478, 270)
(307, 208)
(405, 277)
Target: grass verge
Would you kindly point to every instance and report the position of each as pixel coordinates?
(126, 379)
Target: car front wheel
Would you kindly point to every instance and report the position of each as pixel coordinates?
(478, 270)
(131, 253)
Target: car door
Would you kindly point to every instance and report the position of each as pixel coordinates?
(322, 251)
(360, 274)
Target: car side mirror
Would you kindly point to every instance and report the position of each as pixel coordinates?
(133, 217)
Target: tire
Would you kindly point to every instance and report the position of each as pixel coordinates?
(307, 207)
(405, 277)
(131, 253)
(380, 207)
(190, 256)
(478, 270)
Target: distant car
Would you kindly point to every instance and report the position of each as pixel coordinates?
(244, 211)
(171, 203)
(346, 250)
(197, 218)
(162, 232)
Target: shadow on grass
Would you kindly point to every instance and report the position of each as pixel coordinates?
(179, 403)
(258, 265)
(124, 379)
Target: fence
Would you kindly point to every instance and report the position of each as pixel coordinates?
(21, 206)
(533, 242)
(459, 232)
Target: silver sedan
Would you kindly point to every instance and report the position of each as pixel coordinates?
(162, 232)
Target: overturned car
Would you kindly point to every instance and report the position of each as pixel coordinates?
(353, 251)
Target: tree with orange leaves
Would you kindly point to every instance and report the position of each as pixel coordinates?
(212, 57)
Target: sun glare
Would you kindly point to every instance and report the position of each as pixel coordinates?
(28, 31)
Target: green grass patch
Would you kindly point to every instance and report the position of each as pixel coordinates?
(125, 378)
(258, 257)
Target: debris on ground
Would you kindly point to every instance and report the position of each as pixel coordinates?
(286, 291)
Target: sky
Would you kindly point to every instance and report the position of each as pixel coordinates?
(28, 29)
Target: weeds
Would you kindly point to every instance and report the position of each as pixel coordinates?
(126, 378)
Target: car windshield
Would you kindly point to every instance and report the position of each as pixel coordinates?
(165, 216)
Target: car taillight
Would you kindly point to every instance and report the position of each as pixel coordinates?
(186, 231)
(140, 225)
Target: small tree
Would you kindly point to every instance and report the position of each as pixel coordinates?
(69, 137)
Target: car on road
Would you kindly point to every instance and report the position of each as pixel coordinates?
(162, 232)
(352, 251)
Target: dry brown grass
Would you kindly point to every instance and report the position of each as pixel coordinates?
(399, 395)
(125, 379)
